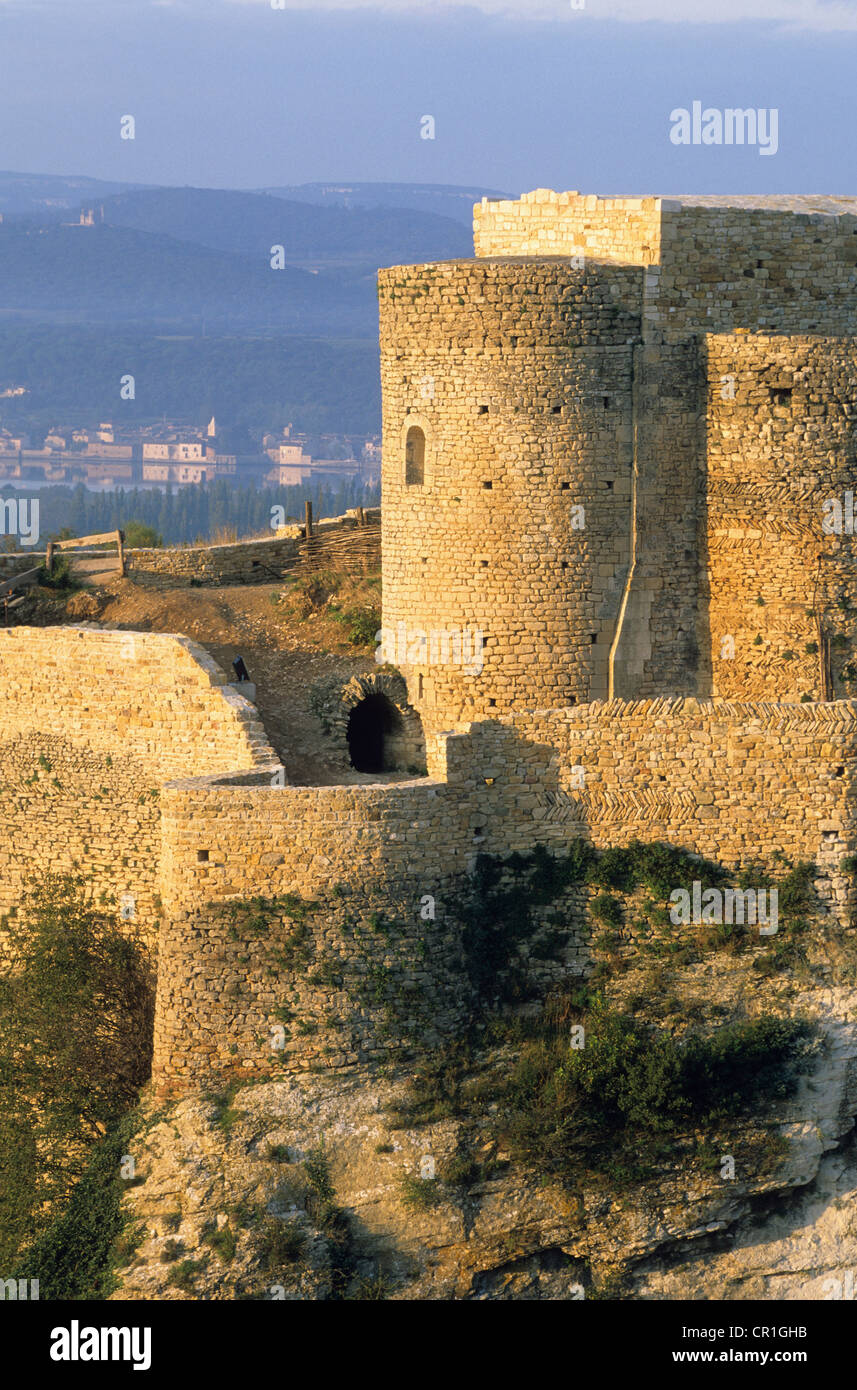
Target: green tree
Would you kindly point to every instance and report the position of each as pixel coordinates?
(137, 533)
(75, 1026)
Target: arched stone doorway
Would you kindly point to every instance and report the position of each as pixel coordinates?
(374, 724)
(374, 730)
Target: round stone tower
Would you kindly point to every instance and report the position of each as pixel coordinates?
(507, 476)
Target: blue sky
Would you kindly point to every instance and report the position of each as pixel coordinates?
(236, 93)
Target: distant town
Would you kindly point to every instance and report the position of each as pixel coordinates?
(171, 453)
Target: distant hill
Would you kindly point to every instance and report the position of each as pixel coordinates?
(176, 287)
(73, 373)
(440, 199)
(251, 223)
(116, 274)
(50, 195)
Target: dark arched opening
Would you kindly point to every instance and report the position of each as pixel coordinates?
(415, 457)
(371, 725)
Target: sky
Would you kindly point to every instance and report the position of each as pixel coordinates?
(535, 93)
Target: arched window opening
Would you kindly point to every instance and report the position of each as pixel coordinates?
(374, 726)
(415, 456)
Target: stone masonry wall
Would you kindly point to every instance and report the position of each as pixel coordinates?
(294, 930)
(338, 539)
(92, 724)
(735, 782)
(781, 441)
(713, 265)
(520, 375)
(658, 647)
(754, 269)
(626, 231)
(369, 972)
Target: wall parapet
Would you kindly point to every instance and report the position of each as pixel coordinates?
(92, 723)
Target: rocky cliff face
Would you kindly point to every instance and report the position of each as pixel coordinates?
(303, 1189)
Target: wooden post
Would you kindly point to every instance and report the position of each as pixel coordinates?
(49, 556)
(120, 545)
(361, 517)
(308, 521)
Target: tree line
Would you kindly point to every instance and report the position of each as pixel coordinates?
(199, 512)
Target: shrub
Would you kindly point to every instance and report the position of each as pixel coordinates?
(321, 1198)
(281, 1243)
(77, 1256)
(361, 624)
(60, 575)
(183, 1275)
(611, 1105)
(376, 1287)
(222, 1241)
(796, 891)
(613, 869)
(138, 535)
(419, 1194)
(659, 868)
(323, 1210)
(433, 1092)
(607, 909)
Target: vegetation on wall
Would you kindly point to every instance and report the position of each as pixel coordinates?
(624, 890)
(347, 976)
(76, 999)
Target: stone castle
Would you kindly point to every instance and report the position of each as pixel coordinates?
(613, 445)
(628, 415)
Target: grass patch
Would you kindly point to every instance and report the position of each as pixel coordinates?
(184, 1275)
(224, 1114)
(281, 1243)
(419, 1194)
(222, 1241)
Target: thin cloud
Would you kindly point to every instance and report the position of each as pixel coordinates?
(824, 16)
(829, 16)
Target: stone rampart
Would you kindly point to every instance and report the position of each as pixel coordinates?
(92, 723)
(303, 907)
(708, 264)
(309, 900)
